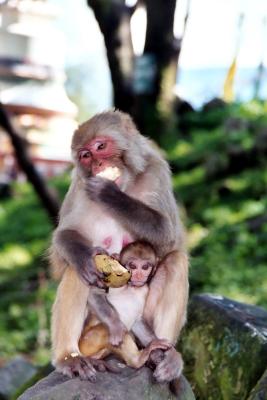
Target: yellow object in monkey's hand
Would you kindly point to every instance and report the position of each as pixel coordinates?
(115, 274)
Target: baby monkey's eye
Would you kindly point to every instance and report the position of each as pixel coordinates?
(131, 265)
(146, 266)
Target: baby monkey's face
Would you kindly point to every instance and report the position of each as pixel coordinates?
(141, 270)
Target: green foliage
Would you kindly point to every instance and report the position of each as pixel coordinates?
(226, 204)
(26, 291)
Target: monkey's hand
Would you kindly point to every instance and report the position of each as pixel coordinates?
(170, 367)
(157, 344)
(117, 332)
(99, 251)
(100, 189)
(78, 252)
(77, 366)
(90, 275)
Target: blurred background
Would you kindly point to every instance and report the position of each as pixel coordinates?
(192, 74)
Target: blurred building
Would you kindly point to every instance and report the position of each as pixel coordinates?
(32, 85)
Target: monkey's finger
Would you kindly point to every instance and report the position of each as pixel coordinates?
(100, 275)
(112, 368)
(66, 370)
(101, 368)
(89, 370)
(99, 365)
(99, 250)
(76, 369)
(156, 356)
(92, 279)
(100, 284)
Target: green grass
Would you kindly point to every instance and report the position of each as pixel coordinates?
(26, 290)
(228, 253)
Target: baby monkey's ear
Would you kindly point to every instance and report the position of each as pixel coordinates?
(154, 269)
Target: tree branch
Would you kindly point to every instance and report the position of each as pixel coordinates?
(49, 202)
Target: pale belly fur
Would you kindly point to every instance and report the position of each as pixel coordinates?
(129, 302)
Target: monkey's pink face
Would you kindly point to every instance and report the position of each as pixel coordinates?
(141, 270)
(99, 154)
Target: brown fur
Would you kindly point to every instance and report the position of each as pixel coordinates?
(140, 249)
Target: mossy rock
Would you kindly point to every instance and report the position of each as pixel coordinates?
(224, 347)
(259, 392)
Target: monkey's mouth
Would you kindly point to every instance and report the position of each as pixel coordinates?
(110, 173)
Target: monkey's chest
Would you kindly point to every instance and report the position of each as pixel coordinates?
(129, 302)
(107, 233)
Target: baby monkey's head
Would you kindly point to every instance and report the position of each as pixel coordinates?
(140, 258)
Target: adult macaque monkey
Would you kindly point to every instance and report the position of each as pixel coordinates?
(138, 204)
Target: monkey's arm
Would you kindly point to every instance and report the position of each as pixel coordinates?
(107, 314)
(167, 362)
(143, 332)
(132, 212)
(77, 252)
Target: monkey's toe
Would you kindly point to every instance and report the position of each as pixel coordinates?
(103, 366)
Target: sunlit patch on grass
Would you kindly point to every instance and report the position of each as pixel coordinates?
(14, 256)
(182, 148)
(221, 215)
(196, 233)
(183, 179)
(253, 109)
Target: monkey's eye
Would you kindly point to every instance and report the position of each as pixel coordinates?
(131, 265)
(101, 146)
(84, 154)
(146, 266)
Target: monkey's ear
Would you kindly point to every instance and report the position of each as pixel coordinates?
(130, 127)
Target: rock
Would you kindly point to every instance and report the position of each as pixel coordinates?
(224, 347)
(15, 375)
(259, 392)
(127, 384)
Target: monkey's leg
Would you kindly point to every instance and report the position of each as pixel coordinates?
(134, 357)
(68, 316)
(107, 314)
(166, 304)
(93, 339)
(165, 309)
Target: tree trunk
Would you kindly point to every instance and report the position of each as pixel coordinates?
(113, 17)
(154, 108)
(50, 204)
(151, 103)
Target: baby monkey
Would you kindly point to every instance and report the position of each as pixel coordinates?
(139, 257)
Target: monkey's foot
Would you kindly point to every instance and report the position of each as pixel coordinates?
(155, 357)
(103, 366)
(170, 367)
(81, 367)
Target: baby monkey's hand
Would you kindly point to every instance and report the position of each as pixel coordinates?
(116, 333)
